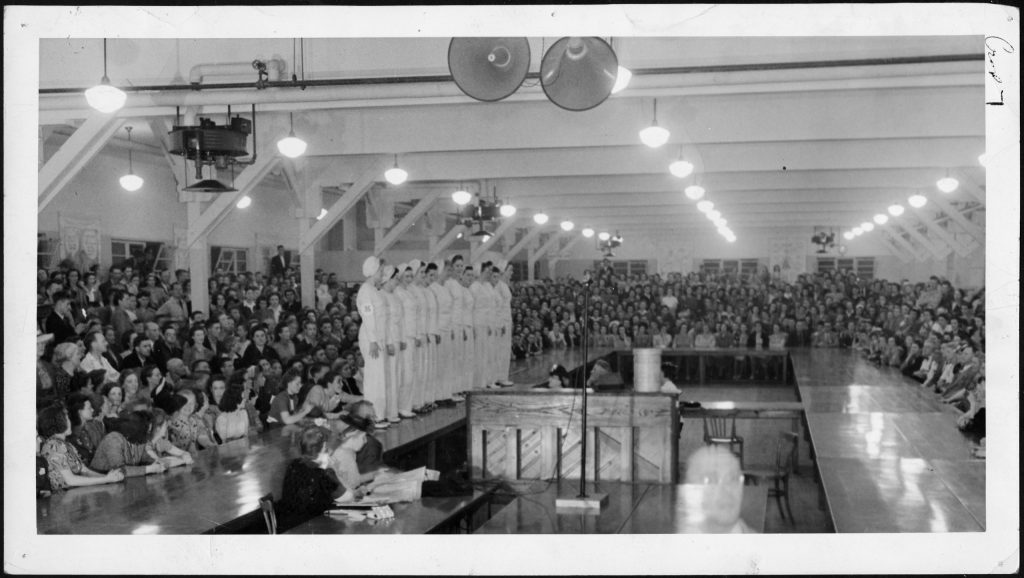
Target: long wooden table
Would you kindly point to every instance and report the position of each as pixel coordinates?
(631, 509)
(223, 484)
(889, 454)
(420, 517)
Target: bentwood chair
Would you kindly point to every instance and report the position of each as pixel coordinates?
(269, 516)
(721, 430)
(785, 458)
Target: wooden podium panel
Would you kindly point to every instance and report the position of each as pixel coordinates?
(536, 435)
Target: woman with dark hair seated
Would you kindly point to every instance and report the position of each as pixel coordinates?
(64, 465)
(233, 421)
(125, 446)
(158, 447)
(310, 485)
(285, 408)
(86, 423)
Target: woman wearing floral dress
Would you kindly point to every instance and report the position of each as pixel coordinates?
(64, 465)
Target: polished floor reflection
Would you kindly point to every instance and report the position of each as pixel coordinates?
(890, 456)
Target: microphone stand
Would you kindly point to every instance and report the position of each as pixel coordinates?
(597, 500)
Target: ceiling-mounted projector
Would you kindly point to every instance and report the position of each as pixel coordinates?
(210, 144)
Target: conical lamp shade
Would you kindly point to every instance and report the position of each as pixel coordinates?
(209, 186)
(579, 73)
(488, 69)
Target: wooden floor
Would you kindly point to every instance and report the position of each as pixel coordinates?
(890, 456)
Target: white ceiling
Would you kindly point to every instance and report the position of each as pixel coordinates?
(783, 143)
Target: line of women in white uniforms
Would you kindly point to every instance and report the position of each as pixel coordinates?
(431, 331)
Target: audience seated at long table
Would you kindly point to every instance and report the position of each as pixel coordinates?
(131, 379)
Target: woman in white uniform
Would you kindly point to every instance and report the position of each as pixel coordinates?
(372, 309)
(394, 364)
(460, 335)
(482, 326)
(469, 311)
(412, 342)
(445, 360)
(430, 378)
(504, 352)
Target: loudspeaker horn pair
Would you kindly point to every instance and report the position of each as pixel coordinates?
(576, 73)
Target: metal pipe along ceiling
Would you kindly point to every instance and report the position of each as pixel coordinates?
(535, 75)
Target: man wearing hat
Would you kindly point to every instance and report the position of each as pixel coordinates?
(459, 325)
(373, 312)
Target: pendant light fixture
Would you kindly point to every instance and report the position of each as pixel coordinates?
(507, 210)
(654, 136)
(896, 210)
(917, 201)
(291, 146)
(603, 236)
(867, 226)
(244, 202)
(588, 232)
(881, 219)
(462, 197)
(694, 192)
(947, 184)
(567, 226)
(540, 218)
(396, 175)
(130, 182)
(105, 97)
(705, 206)
(681, 168)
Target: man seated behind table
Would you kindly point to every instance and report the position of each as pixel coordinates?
(713, 474)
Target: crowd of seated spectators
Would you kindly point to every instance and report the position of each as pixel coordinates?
(930, 330)
(144, 380)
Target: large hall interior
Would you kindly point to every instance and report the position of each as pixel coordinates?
(389, 285)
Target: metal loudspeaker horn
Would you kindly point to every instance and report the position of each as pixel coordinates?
(488, 69)
(579, 73)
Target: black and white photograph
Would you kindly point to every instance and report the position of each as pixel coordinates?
(415, 289)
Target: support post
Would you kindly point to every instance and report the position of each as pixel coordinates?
(446, 240)
(972, 229)
(417, 212)
(74, 154)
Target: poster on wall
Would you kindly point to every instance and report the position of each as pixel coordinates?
(80, 241)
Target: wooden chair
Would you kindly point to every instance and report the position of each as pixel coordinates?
(722, 430)
(269, 516)
(785, 458)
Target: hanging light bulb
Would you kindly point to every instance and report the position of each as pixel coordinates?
(603, 236)
(130, 182)
(867, 226)
(105, 97)
(917, 201)
(896, 210)
(719, 222)
(292, 146)
(622, 78)
(507, 210)
(396, 175)
(679, 167)
(654, 136)
(881, 219)
(705, 206)
(713, 214)
(848, 236)
(244, 202)
(947, 184)
(323, 213)
(567, 226)
(462, 197)
(857, 231)
(588, 232)
(486, 238)
(540, 218)
(459, 236)
(694, 192)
